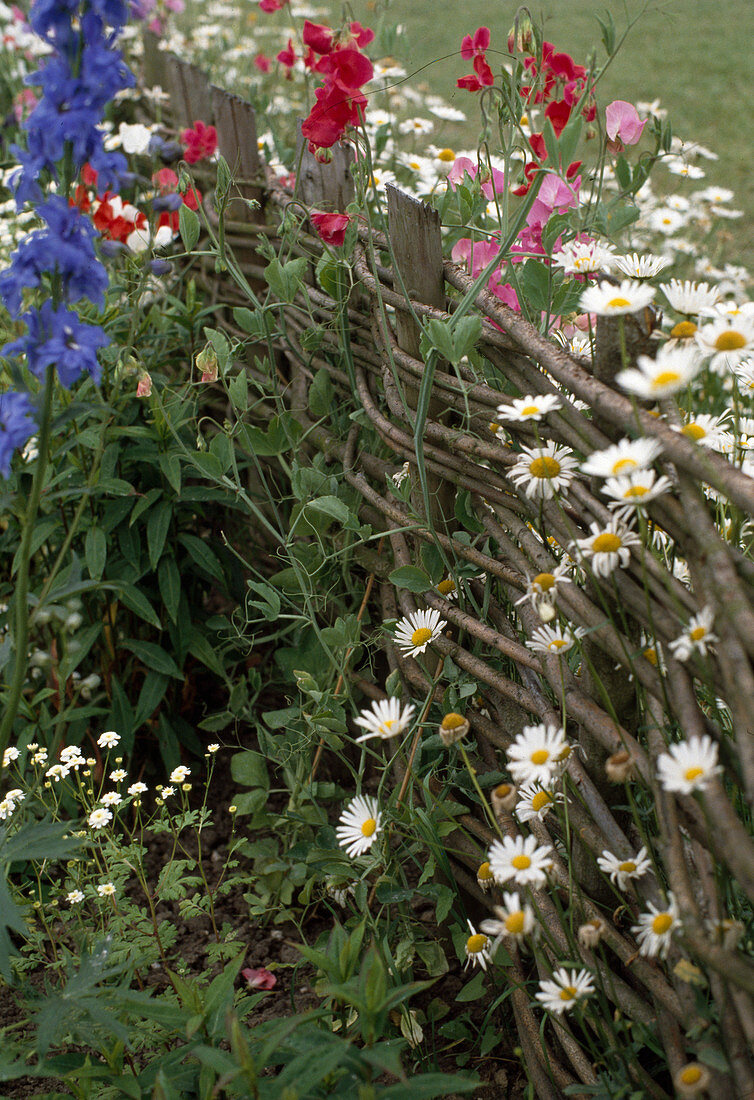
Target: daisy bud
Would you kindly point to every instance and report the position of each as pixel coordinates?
(503, 798)
(620, 767)
(452, 728)
(591, 933)
(546, 612)
(485, 877)
(692, 1079)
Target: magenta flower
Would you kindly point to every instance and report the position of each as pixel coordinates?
(259, 979)
(331, 227)
(622, 125)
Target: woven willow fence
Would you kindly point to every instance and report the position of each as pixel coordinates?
(619, 704)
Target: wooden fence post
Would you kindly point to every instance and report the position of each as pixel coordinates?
(327, 186)
(153, 67)
(237, 142)
(189, 90)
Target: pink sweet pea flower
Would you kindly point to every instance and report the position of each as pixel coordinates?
(331, 227)
(262, 62)
(144, 387)
(201, 142)
(476, 46)
(272, 5)
(555, 195)
(259, 979)
(622, 125)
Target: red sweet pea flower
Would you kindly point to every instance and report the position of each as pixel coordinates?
(287, 56)
(558, 112)
(262, 62)
(473, 47)
(272, 5)
(482, 77)
(331, 227)
(317, 37)
(362, 35)
(166, 180)
(259, 979)
(201, 142)
(340, 101)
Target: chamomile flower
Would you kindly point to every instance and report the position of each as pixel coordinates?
(108, 740)
(359, 825)
(621, 871)
(656, 928)
(607, 548)
(670, 372)
(543, 587)
(697, 636)
(566, 989)
(621, 458)
(708, 431)
(138, 788)
(447, 589)
(645, 266)
(57, 772)
(538, 754)
(74, 897)
(384, 719)
(118, 775)
(551, 639)
(607, 300)
(179, 774)
(513, 920)
(529, 407)
(666, 220)
(634, 491)
(728, 340)
(111, 798)
(688, 766)
(688, 297)
(535, 802)
(106, 890)
(414, 632)
(584, 257)
(477, 948)
(521, 859)
(544, 471)
(99, 818)
(10, 755)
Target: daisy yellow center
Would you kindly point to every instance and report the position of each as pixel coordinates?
(697, 633)
(476, 943)
(665, 378)
(693, 431)
(421, 636)
(414, 164)
(530, 410)
(446, 155)
(503, 790)
(524, 120)
(389, 723)
(683, 330)
(544, 466)
(484, 871)
(540, 800)
(541, 756)
(446, 586)
(607, 543)
(691, 1075)
(618, 303)
(662, 923)
(568, 993)
(692, 773)
(628, 867)
(514, 923)
(452, 721)
(494, 428)
(369, 827)
(636, 491)
(624, 464)
(521, 863)
(557, 643)
(544, 581)
(730, 341)
(651, 655)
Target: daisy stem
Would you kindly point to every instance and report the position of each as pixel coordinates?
(472, 774)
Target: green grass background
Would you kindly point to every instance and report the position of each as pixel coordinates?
(696, 56)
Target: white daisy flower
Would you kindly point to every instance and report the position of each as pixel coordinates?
(99, 818)
(584, 257)
(384, 719)
(521, 859)
(634, 491)
(566, 989)
(708, 431)
(544, 471)
(513, 920)
(477, 948)
(108, 740)
(414, 633)
(111, 798)
(213, 748)
(118, 775)
(535, 802)
(538, 754)
(447, 589)
(671, 371)
(666, 220)
(607, 300)
(621, 458)
(138, 788)
(696, 637)
(74, 897)
(714, 194)
(359, 825)
(728, 340)
(179, 774)
(689, 297)
(645, 266)
(607, 548)
(11, 754)
(551, 639)
(688, 766)
(621, 871)
(106, 890)
(529, 407)
(57, 772)
(744, 372)
(656, 928)
(543, 587)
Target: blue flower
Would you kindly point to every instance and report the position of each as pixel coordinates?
(57, 337)
(16, 426)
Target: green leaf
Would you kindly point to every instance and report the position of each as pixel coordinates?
(77, 649)
(410, 577)
(136, 601)
(189, 226)
(433, 957)
(534, 282)
(157, 530)
(329, 506)
(200, 648)
(474, 989)
(169, 581)
(202, 555)
(95, 552)
(285, 279)
(171, 468)
(238, 390)
(321, 394)
(151, 695)
(153, 657)
(427, 1086)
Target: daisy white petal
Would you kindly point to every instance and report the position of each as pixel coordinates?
(635, 491)
(384, 719)
(607, 300)
(535, 802)
(359, 825)
(414, 633)
(584, 257)
(689, 297)
(621, 458)
(656, 927)
(477, 948)
(551, 639)
(543, 471)
(728, 340)
(513, 920)
(696, 637)
(689, 765)
(671, 371)
(529, 407)
(621, 871)
(521, 859)
(607, 547)
(641, 267)
(566, 989)
(538, 754)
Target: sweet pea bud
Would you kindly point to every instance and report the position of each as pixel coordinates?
(521, 36)
(503, 797)
(321, 154)
(144, 387)
(206, 362)
(452, 728)
(546, 612)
